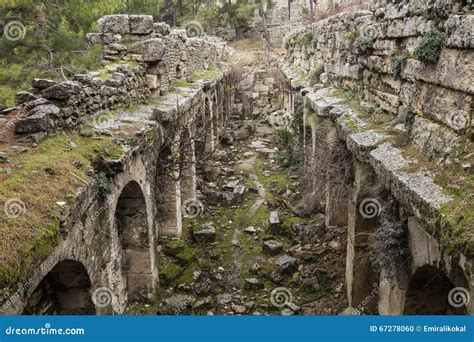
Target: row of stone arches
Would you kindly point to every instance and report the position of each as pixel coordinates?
(425, 281)
(69, 288)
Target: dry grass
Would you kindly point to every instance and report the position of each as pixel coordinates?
(42, 177)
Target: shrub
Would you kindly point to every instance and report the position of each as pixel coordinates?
(364, 43)
(104, 184)
(390, 248)
(429, 49)
(398, 64)
(289, 141)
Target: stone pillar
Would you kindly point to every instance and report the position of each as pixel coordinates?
(361, 279)
(169, 193)
(338, 181)
(188, 167)
(391, 296)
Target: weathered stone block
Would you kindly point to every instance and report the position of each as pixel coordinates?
(141, 24)
(460, 31)
(117, 23)
(152, 50)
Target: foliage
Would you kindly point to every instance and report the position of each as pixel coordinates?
(290, 143)
(104, 184)
(398, 64)
(364, 43)
(390, 248)
(429, 49)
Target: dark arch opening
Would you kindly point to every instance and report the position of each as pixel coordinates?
(428, 293)
(65, 290)
(132, 226)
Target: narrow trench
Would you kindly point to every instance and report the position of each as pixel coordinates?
(235, 276)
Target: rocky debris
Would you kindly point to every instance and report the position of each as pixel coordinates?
(250, 230)
(179, 302)
(304, 233)
(272, 247)
(286, 264)
(206, 233)
(224, 299)
(275, 223)
(253, 284)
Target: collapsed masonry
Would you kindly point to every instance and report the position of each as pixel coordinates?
(159, 96)
(401, 199)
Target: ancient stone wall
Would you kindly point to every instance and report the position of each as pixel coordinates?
(374, 52)
(367, 99)
(109, 229)
(141, 59)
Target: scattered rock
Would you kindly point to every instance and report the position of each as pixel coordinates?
(272, 247)
(286, 264)
(253, 284)
(173, 247)
(206, 233)
(250, 230)
(224, 298)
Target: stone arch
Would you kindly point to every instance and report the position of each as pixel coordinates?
(65, 290)
(131, 222)
(367, 199)
(428, 293)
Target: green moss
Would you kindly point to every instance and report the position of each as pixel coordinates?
(399, 62)
(170, 273)
(187, 277)
(184, 84)
(186, 256)
(207, 75)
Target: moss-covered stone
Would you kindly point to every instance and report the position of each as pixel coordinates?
(174, 247)
(170, 273)
(186, 256)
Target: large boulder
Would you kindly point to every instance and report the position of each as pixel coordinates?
(206, 233)
(141, 24)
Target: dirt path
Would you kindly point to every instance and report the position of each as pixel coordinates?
(235, 274)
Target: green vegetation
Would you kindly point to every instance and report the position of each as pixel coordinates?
(430, 47)
(399, 62)
(290, 143)
(207, 75)
(49, 174)
(364, 43)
